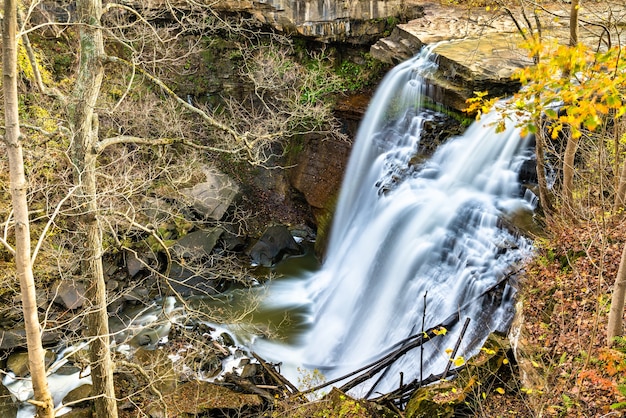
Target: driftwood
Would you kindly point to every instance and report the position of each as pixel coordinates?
(284, 388)
(247, 386)
(402, 347)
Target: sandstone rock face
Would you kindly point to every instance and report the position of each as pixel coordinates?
(319, 171)
(479, 49)
(353, 21)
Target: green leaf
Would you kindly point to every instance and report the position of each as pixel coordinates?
(551, 113)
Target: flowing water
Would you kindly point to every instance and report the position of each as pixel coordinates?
(411, 244)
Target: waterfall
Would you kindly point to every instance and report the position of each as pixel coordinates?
(407, 235)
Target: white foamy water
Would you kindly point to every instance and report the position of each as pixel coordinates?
(403, 232)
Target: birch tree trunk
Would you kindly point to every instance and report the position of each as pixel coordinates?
(19, 186)
(84, 122)
(572, 143)
(544, 193)
(615, 326)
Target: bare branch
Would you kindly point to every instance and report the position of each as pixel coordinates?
(206, 117)
(129, 139)
(42, 236)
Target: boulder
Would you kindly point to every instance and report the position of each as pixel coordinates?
(159, 367)
(276, 242)
(211, 198)
(188, 282)
(78, 395)
(69, 293)
(18, 362)
(198, 243)
(16, 337)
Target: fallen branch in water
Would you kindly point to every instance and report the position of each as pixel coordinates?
(407, 345)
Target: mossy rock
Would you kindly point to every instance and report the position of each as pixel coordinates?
(438, 400)
(442, 399)
(344, 406)
(337, 405)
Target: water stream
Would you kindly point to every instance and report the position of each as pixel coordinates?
(407, 235)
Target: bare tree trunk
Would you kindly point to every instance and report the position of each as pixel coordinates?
(573, 22)
(614, 328)
(85, 126)
(572, 143)
(620, 198)
(19, 186)
(568, 171)
(620, 195)
(544, 194)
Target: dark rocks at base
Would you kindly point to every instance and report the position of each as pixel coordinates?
(319, 170)
(69, 293)
(275, 243)
(212, 198)
(79, 395)
(16, 337)
(187, 281)
(198, 243)
(18, 362)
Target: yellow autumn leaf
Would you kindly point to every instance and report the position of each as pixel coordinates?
(459, 361)
(500, 391)
(440, 331)
(505, 361)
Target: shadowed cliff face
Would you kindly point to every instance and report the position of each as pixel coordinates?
(360, 22)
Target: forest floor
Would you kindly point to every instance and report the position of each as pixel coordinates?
(563, 367)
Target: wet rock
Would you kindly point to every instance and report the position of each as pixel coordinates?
(69, 293)
(136, 294)
(231, 241)
(276, 242)
(18, 362)
(213, 197)
(16, 337)
(8, 409)
(187, 282)
(134, 265)
(248, 370)
(79, 394)
(197, 243)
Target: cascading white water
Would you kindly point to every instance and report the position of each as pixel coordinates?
(402, 235)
